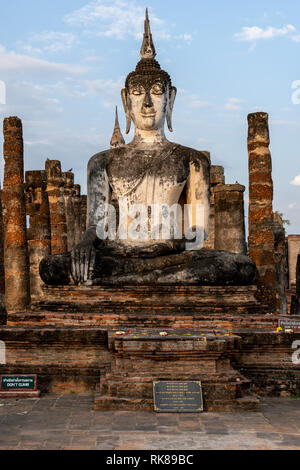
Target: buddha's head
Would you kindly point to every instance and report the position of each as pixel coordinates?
(148, 96)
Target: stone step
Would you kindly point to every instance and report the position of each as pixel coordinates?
(140, 319)
(148, 300)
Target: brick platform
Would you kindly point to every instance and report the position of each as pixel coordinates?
(68, 339)
(143, 357)
(139, 306)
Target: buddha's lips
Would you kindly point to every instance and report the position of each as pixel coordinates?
(148, 114)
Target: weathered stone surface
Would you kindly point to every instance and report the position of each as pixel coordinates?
(2, 273)
(83, 205)
(293, 252)
(261, 237)
(204, 267)
(68, 178)
(230, 218)
(77, 213)
(281, 260)
(16, 261)
(38, 232)
(55, 190)
(217, 178)
(295, 306)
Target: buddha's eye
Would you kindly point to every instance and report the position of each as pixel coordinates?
(137, 91)
(157, 89)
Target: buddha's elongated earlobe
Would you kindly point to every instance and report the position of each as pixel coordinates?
(170, 108)
(126, 109)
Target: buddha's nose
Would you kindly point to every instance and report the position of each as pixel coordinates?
(147, 101)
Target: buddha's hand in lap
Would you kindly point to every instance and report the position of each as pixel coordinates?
(82, 259)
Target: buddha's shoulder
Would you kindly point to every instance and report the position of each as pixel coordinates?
(193, 155)
(100, 159)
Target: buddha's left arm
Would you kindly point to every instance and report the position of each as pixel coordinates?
(198, 193)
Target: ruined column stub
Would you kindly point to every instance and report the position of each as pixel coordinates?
(77, 212)
(293, 252)
(68, 178)
(55, 190)
(295, 304)
(217, 177)
(38, 232)
(83, 214)
(230, 218)
(261, 237)
(16, 260)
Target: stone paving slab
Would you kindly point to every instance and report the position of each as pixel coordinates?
(68, 422)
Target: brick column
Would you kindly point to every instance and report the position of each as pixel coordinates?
(38, 232)
(261, 237)
(298, 286)
(295, 304)
(77, 211)
(55, 190)
(2, 274)
(216, 178)
(16, 261)
(69, 205)
(294, 251)
(230, 218)
(83, 214)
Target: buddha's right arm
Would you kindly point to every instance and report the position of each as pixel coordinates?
(98, 193)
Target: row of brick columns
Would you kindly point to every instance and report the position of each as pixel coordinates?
(56, 212)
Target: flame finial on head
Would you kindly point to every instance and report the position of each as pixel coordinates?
(117, 139)
(148, 49)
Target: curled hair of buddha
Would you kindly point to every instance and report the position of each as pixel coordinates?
(147, 70)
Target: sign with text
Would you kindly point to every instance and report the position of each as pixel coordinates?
(19, 383)
(289, 323)
(177, 397)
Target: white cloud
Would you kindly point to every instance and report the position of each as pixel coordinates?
(197, 104)
(255, 33)
(116, 18)
(49, 41)
(186, 37)
(296, 181)
(292, 206)
(109, 90)
(234, 104)
(11, 61)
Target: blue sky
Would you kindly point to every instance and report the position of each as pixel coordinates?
(64, 64)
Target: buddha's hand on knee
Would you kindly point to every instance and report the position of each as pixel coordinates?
(82, 260)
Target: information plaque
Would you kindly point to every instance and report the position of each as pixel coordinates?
(177, 397)
(289, 323)
(18, 384)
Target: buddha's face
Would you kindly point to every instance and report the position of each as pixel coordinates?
(148, 103)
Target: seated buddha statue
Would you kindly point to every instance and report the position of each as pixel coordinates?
(150, 172)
